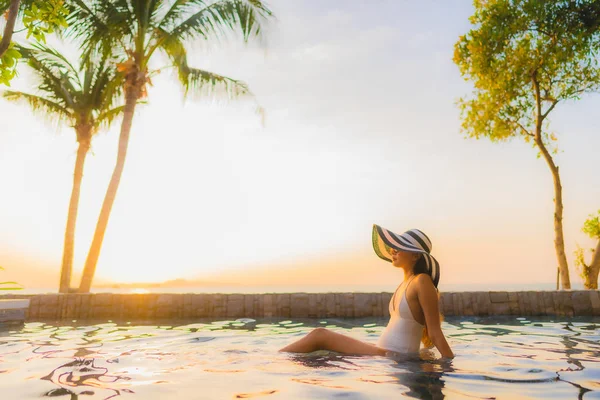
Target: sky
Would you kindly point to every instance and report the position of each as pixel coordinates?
(361, 127)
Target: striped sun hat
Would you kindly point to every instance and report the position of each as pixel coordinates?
(413, 241)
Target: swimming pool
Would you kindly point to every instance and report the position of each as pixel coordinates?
(537, 358)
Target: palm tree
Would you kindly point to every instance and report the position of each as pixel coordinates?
(133, 32)
(85, 99)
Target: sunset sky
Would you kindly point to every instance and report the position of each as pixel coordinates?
(361, 127)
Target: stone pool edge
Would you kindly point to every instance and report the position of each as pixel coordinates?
(298, 305)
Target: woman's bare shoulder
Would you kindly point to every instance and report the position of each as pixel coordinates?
(423, 280)
(426, 291)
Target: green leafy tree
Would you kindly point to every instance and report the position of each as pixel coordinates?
(39, 17)
(133, 33)
(582, 16)
(524, 61)
(86, 99)
(589, 273)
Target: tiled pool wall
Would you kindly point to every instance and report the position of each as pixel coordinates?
(298, 305)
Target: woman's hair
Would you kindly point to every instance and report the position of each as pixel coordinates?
(421, 268)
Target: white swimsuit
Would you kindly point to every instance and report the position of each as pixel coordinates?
(403, 333)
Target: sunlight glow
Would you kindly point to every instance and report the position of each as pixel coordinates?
(361, 127)
(139, 291)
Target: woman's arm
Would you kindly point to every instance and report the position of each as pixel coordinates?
(428, 298)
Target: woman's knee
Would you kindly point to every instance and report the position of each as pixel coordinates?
(319, 334)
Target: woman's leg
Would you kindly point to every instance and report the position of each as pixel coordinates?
(324, 339)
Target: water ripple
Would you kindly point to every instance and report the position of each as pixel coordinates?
(496, 358)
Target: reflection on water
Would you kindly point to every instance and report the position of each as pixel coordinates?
(78, 377)
(496, 358)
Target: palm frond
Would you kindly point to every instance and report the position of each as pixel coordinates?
(47, 108)
(216, 18)
(100, 27)
(101, 94)
(79, 97)
(58, 78)
(107, 88)
(174, 13)
(175, 51)
(85, 24)
(118, 15)
(106, 118)
(144, 11)
(55, 59)
(88, 78)
(202, 82)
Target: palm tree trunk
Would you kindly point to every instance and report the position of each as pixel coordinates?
(591, 280)
(131, 97)
(11, 18)
(69, 244)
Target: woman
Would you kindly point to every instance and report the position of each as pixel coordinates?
(414, 313)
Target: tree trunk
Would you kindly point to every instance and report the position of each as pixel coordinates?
(13, 10)
(131, 97)
(591, 280)
(69, 244)
(559, 241)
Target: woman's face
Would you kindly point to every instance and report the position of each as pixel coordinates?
(402, 259)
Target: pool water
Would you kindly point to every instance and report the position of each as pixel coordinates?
(502, 358)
